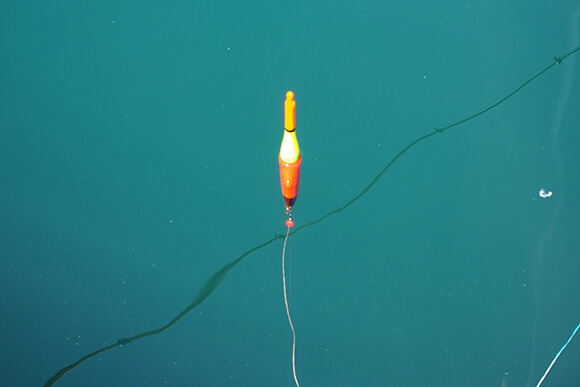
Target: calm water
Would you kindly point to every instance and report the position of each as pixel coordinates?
(139, 145)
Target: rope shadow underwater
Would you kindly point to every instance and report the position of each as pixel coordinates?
(213, 283)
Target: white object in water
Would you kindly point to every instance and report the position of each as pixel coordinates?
(544, 193)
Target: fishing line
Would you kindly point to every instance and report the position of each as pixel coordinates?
(288, 310)
(558, 355)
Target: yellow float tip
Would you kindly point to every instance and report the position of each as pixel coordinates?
(290, 112)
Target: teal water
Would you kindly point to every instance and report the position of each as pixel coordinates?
(139, 147)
